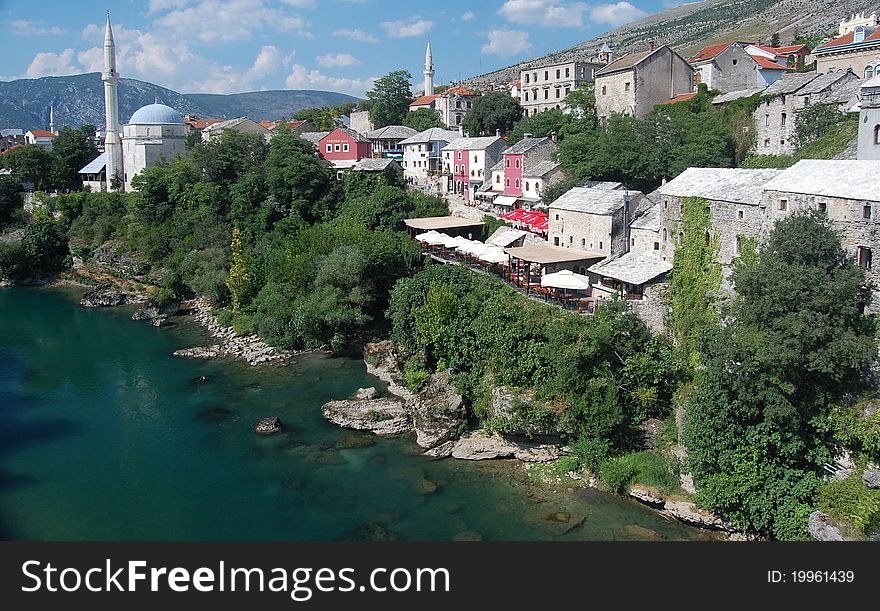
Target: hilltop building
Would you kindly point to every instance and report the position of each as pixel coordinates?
(856, 48)
(545, 87)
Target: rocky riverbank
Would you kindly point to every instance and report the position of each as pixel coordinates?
(249, 348)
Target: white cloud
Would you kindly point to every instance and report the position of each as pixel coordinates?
(616, 14)
(407, 29)
(302, 78)
(337, 60)
(358, 35)
(31, 28)
(300, 3)
(144, 55)
(224, 79)
(549, 13)
(506, 42)
(54, 64)
(164, 5)
(216, 21)
(468, 15)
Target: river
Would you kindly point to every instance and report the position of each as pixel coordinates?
(106, 436)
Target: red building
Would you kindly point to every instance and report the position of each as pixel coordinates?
(344, 147)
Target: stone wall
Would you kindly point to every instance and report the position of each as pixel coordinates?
(733, 70)
(857, 61)
(616, 98)
(772, 136)
(581, 231)
(659, 77)
(643, 241)
(651, 309)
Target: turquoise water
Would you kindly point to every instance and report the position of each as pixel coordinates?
(105, 435)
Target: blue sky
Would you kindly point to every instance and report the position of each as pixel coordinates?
(226, 46)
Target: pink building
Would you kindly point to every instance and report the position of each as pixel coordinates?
(466, 162)
(343, 148)
(523, 173)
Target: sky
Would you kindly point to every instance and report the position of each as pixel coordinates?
(229, 46)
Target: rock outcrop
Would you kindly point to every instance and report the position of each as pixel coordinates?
(823, 529)
(106, 297)
(481, 445)
(871, 478)
(384, 362)
(687, 512)
(505, 404)
(438, 412)
(153, 310)
(646, 496)
(268, 425)
(384, 417)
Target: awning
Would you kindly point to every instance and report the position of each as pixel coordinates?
(566, 279)
(505, 200)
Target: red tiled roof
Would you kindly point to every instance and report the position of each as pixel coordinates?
(710, 52)
(766, 64)
(200, 123)
(11, 148)
(848, 39)
(791, 50)
(680, 98)
(460, 90)
(425, 100)
(41, 133)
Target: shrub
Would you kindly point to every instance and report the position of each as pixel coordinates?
(647, 468)
(416, 376)
(849, 500)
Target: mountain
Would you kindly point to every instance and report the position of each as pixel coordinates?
(689, 27)
(79, 100)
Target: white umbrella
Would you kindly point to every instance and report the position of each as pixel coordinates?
(566, 279)
(460, 242)
(429, 237)
(473, 247)
(493, 255)
(448, 241)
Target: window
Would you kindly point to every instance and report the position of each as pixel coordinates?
(498, 178)
(558, 93)
(567, 90)
(626, 86)
(527, 79)
(535, 77)
(336, 148)
(866, 212)
(664, 235)
(527, 96)
(859, 34)
(558, 74)
(458, 103)
(656, 245)
(567, 72)
(739, 214)
(329, 148)
(458, 119)
(737, 246)
(783, 119)
(507, 162)
(583, 242)
(782, 142)
(527, 185)
(823, 207)
(345, 148)
(734, 62)
(604, 90)
(783, 205)
(877, 134)
(767, 142)
(475, 159)
(546, 75)
(468, 103)
(869, 72)
(517, 183)
(546, 94)
(506, 182)
(571, 239)
(459, 155)
(601, 245)
(666, 204)
(632, 241)
(556, 241)
(766, 120)
(517, 164)
(557, 217)
(863, 256)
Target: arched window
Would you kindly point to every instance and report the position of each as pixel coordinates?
(737, 247)
(507, 162)
(869, 72)
(527, 185)
(506, 182)
(877, 134)
(664, 235)
(517, 163)
(517, 183)
(498, 178)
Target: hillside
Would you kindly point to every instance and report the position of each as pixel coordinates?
(79, 100)
(689, 27)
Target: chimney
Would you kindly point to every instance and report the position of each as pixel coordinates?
(553, 136)
(650, 45)
(526, 136)
(626, 220)
(497, 133)
(461, 130)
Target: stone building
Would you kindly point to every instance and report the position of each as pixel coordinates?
(421, 153)
(856, 48)
(635, 83)
(545, 87)
(869, 120)
(646, 233)
(726, 67)
(360, 122)
(386, 141)
(240, 124)
(735, 203)
(848, 194)
(594, 220)
(508, 177)
(454, 104)
(154, 133)
(775, 117)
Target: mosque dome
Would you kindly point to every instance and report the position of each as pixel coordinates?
(156, 114)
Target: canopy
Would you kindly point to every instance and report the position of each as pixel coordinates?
(493, 254)
(448, 241)
(514, 215)
(566, 279)
(430, 237)
(475, 248)
(505, 200)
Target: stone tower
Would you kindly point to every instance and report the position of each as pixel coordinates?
(429, 71)
(112, 143)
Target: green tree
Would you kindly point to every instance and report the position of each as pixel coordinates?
(238, 279)
(30, 163)
(774, 40)
(581, 102)
(390, 97)
(72, 150)
(491, 112)
(422, 119)
(815, 121)
(542, 125)
(796, 344)
(324, 119)
(11, 199)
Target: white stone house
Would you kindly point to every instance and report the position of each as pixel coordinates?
(422, 156)
(386, 141)
(545, 87)
(594, 220)
(240, 124)
(155, 133)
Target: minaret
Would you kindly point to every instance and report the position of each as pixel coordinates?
(112, 144)
(51, 119)
(429, 71)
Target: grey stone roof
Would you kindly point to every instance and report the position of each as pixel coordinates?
(594, 201)
(625, 63)
(608, 185)
(472, 144)
(313, 137)
(649, 220)
(435, 134)
(505, 236)
(392, 132)
(846, 179)
(823, 81)
(357, 136)
(541, 169)
(840, 94)
(790, 82)
(373, 165)
(95, 165)
(525, 145)
(632, 268)
(740, 186)
(735, 95)
(217, 127)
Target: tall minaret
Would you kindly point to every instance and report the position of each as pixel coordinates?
(112, 144)
(51, 119)
(429, 71)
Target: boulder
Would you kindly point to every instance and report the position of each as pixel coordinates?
(153, 310)
(871, 478)
(822, 529)
(110, 254)
(366, 394)
(268, 425)
(147, 313)
(384, 417)
(200, 352)
(104, 297)
(444, 450)
(438, 413)
(646, 496)
(162, 321)
(689, 513)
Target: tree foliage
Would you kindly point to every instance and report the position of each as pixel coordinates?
(390, 97)
(72, 150)
(422, 119)
(11, 199)
(29, 163)
(493, 111)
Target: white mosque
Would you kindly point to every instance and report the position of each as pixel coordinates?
(154, 133)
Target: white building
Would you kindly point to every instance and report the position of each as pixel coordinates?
(154, 133)
(40, 137)
(869, 121)
(241, 124)
(421, 153)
